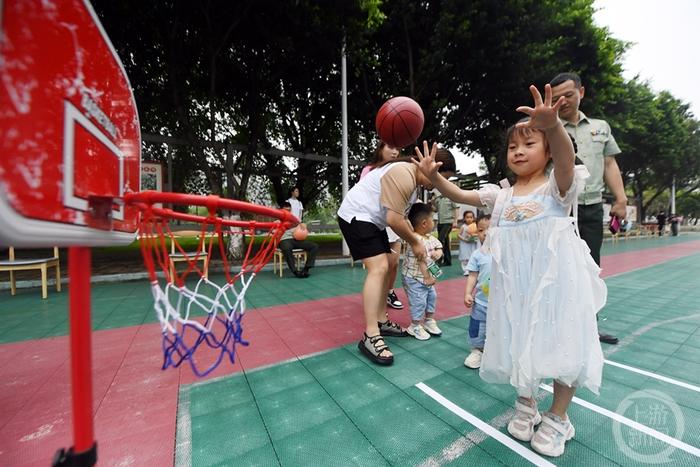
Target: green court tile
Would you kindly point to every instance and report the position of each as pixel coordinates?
(683, 397)
(402, 430)
(637, 356)
(462, 452)
(637, 244)
(651, 411)
(359, 387)
(336, 442)
(279, 378)
(218, 395)
(577, 453)
(626, 377)
(296, 409)
(488, 410)
(622, 447)
(471, 399)
(407, 369)
(502, 392)
(443, 354)
(683, 370)
(662, 333)
(331, 363)
(228, 434)
(687, 352)
(261, 457)
(650, 344)
(411, 344)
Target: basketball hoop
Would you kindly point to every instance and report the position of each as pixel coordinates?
(194, 311)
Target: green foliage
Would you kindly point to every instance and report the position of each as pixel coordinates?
(263, 74)
(660, 142)
(689, 205)
(325, 213)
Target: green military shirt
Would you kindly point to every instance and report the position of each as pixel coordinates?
(446, 210)
(595, 142)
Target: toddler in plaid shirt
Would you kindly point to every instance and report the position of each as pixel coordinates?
(417, 280)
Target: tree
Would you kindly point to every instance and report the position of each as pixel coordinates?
(658, 137)
(468, 64)
(262, 74)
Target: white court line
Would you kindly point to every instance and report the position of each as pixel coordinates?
(483, 426)
(632, 424)
(655, 376)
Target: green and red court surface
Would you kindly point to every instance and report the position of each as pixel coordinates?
(301, 394)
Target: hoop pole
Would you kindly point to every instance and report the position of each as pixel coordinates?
(79, 266)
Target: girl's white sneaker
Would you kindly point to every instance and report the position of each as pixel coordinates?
(474, 359)
(552, 435)
(522, 425)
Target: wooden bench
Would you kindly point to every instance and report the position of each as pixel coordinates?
(43, 264)
(177, 256)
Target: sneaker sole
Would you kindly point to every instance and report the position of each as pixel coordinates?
(386, 361)
(395, 307)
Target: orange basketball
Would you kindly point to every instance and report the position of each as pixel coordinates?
(472, 229)
(399, 121)
(300, 232)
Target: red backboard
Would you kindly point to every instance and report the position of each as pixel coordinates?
(70, 141)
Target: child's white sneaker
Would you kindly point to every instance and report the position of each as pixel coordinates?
(473, 360)
(552, 435)
(431, 326)
(417, 331)
(522, 425)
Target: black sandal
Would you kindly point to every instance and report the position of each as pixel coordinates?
(390, 328)
(372, 347)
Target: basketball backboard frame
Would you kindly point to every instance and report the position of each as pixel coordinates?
(69, 130)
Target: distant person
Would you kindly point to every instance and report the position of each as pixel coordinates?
(674, 224)
(380, 199)
(597, 149)
(468, 240)
(297, 206)
(385, 153)
(661, 222)
(418, 282)
(545, 288)
(288, 243)
(479, 269)
(448, 213)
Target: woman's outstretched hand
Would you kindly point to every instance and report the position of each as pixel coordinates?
(544, 115)
(426, 160)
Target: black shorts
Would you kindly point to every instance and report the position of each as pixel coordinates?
(364, 239)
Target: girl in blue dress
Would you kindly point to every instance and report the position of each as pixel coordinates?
(545, 287)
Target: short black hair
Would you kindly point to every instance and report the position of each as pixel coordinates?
(564, 77)
(483, 217)
(286, 204)
(418, 212)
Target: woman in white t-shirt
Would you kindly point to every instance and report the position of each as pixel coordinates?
(297, 207)
(386, 153)
(380, 200)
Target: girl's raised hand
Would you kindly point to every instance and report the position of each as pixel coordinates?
(426, 160)
(544, 115)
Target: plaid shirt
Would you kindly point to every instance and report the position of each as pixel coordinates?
(410, 265)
